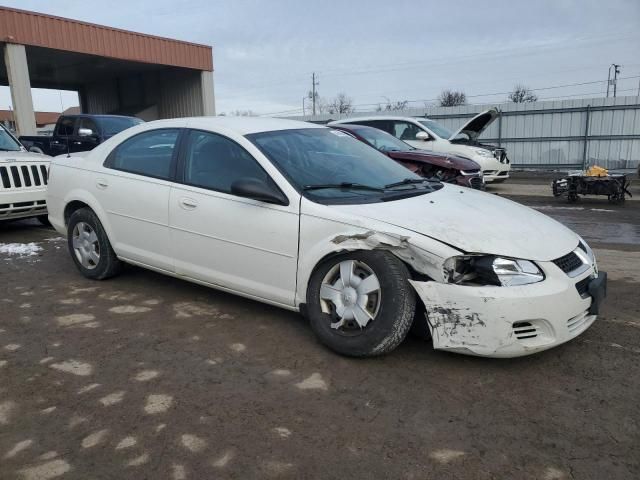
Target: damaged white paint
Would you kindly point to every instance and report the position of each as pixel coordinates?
(399, 245)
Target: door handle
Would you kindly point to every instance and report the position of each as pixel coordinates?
(188, 203)
(100, 183)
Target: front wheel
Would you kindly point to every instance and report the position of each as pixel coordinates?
(89, 246)
(361, 303)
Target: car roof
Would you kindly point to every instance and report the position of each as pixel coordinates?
(376, 117)
(244, 125)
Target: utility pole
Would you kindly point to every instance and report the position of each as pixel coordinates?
(314, 84)
(614, 81)
(304, 113)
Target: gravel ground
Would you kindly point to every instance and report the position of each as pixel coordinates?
(148, 377)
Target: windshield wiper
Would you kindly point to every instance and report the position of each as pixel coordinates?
(408, 181)
(344, 186)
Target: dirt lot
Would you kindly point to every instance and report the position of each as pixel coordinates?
(147, 377)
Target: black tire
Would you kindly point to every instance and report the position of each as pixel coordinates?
(108, 264)
(44, 220)
(394, 316)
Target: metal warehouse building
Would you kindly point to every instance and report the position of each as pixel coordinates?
(114, 71)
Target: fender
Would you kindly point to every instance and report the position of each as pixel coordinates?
(86, 197)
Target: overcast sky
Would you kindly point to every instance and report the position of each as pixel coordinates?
(264, 51)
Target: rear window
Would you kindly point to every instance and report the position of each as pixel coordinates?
(113, 125)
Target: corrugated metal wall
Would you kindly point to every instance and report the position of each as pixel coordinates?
(544, 134)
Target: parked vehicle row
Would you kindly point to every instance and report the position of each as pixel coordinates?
(78, 133)
(427, 134)
(446, 168)
(311, 219)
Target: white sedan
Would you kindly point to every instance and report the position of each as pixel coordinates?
(309, 219)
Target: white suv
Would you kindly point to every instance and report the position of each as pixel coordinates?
(427, 134)
(23, 180)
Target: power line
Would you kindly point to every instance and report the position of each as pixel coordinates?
(539, 89)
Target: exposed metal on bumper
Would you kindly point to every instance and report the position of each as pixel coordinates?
(505, 321)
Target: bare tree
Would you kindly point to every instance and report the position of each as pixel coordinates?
(522, 94)
(340, 104)
(321, 103)
(392, 106)
(452, 98)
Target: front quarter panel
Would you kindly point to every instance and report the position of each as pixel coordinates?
(325, 230)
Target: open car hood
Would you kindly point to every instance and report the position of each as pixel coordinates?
(478, 124)
(474, 222)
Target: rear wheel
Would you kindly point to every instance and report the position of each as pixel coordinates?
(89, 246)
(361, 303)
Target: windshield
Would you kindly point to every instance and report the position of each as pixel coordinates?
(436, 128)
(7, 142)
(112, 125)
(329, 164)
(383, 141)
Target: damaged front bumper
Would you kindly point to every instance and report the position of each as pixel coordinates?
(510, 321)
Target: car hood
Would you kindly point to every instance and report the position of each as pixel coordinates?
(474, 222)
(8, 157)
(478, 124)
(446, 161)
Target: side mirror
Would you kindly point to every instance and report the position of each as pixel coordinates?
(422, 135)
(85, 132)
(258, 190)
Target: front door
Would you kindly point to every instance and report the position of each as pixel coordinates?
(84, 143)
(244, 245)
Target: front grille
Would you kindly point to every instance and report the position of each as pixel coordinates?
(583, 286)
(524, 330)
(476, 183)
(569, 262)
(22, 176)
(7, 210)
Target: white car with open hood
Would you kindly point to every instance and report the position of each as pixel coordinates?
(310, 219)
(23, 180)
(427, 134)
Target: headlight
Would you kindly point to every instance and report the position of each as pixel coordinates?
(491, 270)
(483, 153)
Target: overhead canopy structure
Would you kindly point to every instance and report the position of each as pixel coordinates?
(114, 71)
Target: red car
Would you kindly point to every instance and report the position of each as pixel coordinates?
(446, 168)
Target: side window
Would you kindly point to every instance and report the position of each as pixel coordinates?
(405, 130)
(88, 123)
(65, 127)
(384, 125)
(149, 153)
(215, 162)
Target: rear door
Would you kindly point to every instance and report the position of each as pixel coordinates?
(134, 187)
(244, 245)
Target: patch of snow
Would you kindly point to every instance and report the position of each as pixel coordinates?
(20, 249)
